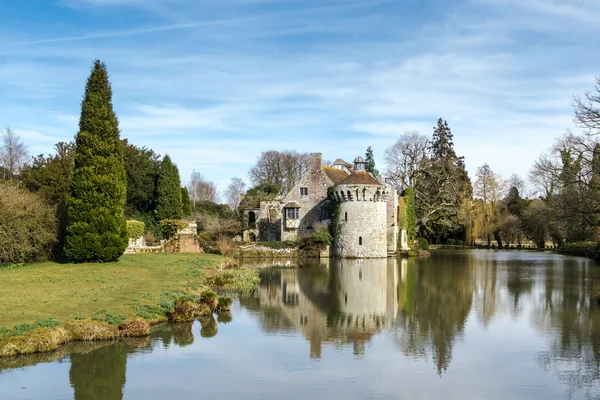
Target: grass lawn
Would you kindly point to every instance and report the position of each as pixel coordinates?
(137, 285)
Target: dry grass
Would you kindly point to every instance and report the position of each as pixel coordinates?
(226, 246)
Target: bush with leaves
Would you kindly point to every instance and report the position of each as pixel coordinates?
(27, 226)
(135, 229)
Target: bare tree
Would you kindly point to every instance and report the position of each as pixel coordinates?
(13, 153)
(587, 110)
(201, 189)
(516, 181)
(404, 158)
(234, 192)
(282, 168)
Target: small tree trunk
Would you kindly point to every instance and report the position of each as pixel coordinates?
(498, 239)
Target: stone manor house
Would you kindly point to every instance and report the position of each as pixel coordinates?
(366, 217)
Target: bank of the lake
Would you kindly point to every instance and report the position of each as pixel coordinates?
(45, 305)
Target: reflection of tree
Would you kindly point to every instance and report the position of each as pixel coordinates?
(182, 334)
(209, 326)
(571, 312)
(441, 298)
(519, 281)
(99, 374)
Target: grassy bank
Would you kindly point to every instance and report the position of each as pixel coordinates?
(44, 305)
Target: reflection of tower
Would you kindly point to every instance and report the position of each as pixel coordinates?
(345, 304)
(99, 374)
(366, 290)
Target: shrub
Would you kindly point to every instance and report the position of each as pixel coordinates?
(226, 246)
(168, 191)
(224, 305)
(27, 226)
(424, 244)
(312, 245)
(135, 229)
(583, 249)
(149, 237)
(96, 227)
(455, 242)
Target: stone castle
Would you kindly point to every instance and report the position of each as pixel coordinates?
(365, 210)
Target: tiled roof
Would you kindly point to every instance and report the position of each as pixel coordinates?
(360, 178)
(336, 175)
(291, 204)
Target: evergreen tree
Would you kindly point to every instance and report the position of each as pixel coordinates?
(442, 185)
(141, 165)
(168, 191)
(370, 162)
(96, 227)
(186, 204)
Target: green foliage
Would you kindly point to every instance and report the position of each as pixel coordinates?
(263, 192)
(335, 213)
(169, 227)
(411, 216)
(401, 213)
(142, 166)
(96, 228)
(583, 249)
(186, 204)
(168, 188)
(312, 245)
(49, 177)
(20, 329)
(370, 162)
(323, 238)
(135, 229)
(110, 318)
(424, 244)
(441, 186)
(27, 226)
(455, 242)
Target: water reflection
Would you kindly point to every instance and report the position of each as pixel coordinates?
(531, 318)
(344, 304)
(435, 306)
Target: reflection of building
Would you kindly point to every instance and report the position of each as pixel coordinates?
(347, 303)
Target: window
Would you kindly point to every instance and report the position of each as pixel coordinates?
(303, 191)
(292, 213)
(272, 236)
(360, 241)
(345, 216)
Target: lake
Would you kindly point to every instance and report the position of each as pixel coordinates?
(457, 325)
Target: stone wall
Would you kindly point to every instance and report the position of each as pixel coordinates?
(362, 225)
(311, 204)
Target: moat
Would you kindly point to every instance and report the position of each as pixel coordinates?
(456, 325)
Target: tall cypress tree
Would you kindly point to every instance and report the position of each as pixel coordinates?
(96, 227)
(186, 203)
(370, 162)
(168, 190)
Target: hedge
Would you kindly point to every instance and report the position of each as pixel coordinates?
(135, 229)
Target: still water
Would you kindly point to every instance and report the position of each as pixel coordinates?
(456, 325)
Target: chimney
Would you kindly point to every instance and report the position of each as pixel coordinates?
(315, 162)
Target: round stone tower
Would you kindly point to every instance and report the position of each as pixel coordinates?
(362, 217)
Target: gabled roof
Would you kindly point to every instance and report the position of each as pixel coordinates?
(336, 175)
(360, 178)
(291, 204)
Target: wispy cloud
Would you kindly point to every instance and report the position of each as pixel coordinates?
(215, 83)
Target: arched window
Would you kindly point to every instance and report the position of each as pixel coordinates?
(252, 219)
(349, 195)
(345, 216)
(365, 194)
(360, 241)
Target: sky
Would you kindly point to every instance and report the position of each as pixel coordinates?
(213, 83)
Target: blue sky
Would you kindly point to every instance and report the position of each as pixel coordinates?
(215, 82)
